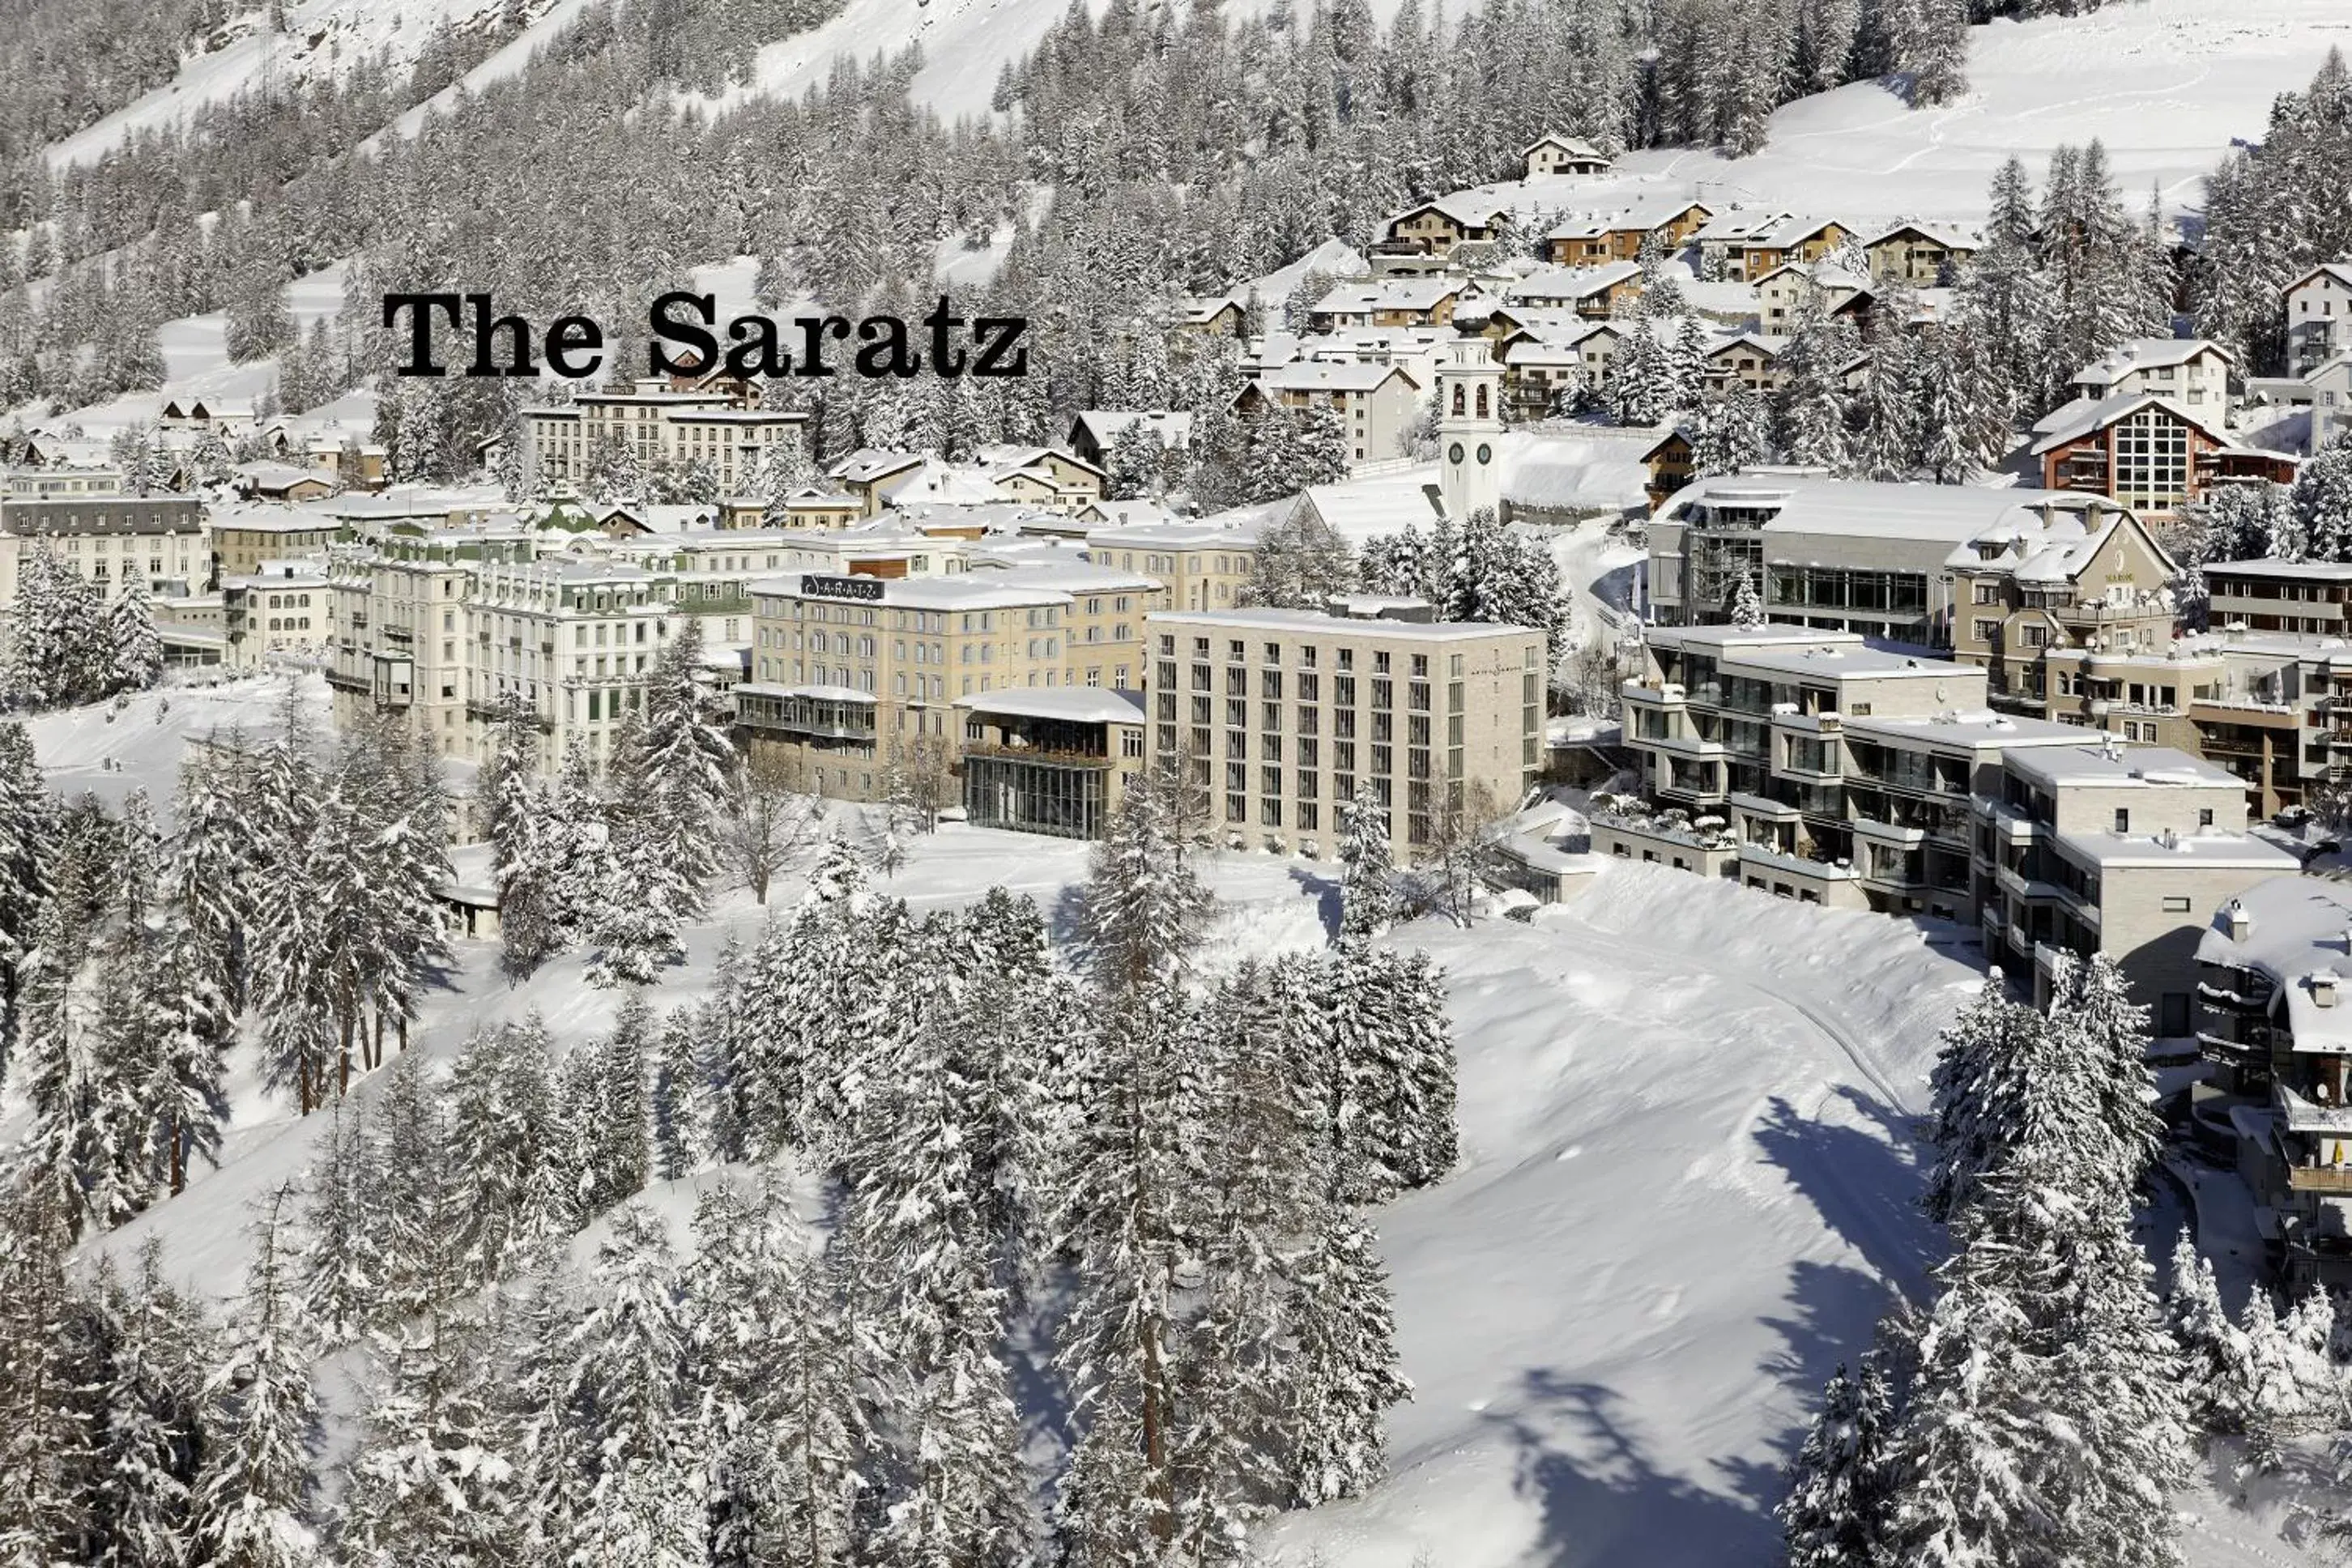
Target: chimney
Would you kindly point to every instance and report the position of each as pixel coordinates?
(2238, 921)
(2323, 988)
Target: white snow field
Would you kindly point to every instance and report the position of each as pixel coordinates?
(1685, 1192)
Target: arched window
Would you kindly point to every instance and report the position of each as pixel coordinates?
(1458, 397)
(1482, 400)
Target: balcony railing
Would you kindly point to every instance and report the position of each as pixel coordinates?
(2305, 1115)
(2319, 1179)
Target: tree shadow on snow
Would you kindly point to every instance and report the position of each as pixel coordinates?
(1866, 1188)
(1324, 887)
(1604, 1503)
(1833, 1317)
(1066, 917)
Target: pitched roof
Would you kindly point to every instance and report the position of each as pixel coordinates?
(1645, 217)
(2341, 271)
(1576, 146)
(1467, 208)
(1950, 236)
(870, 463)
(1331, 375)
(1735, 224)
(2079, 419)
(1388, 294)
(1571, 282)
(1796, 231)
(2145, 354)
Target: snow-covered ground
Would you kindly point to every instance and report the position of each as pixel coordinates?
(322, 39)
(1685, 1192)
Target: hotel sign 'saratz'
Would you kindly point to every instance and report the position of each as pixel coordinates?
(823, 588)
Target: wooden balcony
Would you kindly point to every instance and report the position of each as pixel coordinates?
(2319, 1179)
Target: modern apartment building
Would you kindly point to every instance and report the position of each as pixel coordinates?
(1280, 714)
(2274, 967)
(849, 672)
(1840, 774)
(2123, 850)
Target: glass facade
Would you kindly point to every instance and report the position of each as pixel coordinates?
(2151, 461)
(1062, 799)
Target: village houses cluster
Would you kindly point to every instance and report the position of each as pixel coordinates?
(1972, 704)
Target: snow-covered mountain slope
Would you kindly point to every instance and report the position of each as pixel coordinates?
(2166, 85)
(322, 39)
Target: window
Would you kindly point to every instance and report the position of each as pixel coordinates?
(1986, 630)
(2122, 820)
(2175, 905)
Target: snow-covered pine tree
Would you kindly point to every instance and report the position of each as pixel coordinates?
(529, 896)
(2097, 1022)
(148, 1433)
(429, 1481)
(1144, 906)
(2045, 1421)
(1129, 1211)
(211, 874)
(70, 1153)
(1342, 1331)
(2321, 504)
(59, 653)
(684, 760)
(135, 660)
(1368, 899)
(1836, 1507)
(27, 830)
(1996, 1075)
(184, 1030)
(1747, 604)
(502, 1132)
(254, 1493)
(1300, 563)
(630, 1382)
(1725, 431)
(415, 1225)
(2213, 1351)
(336, 1273)
(44, 1444)
(787, 1438)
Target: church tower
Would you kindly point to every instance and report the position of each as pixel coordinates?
(1469, 428)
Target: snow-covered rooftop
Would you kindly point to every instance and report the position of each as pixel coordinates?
(2296, 927)
(2205, 850)
(1310, 623)
(1075, 704)
(1956, 514)
(1974, 729)
(2073, 421)
(2144, 767)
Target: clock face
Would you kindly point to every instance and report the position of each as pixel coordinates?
(1486, 453)
(1453, 454)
